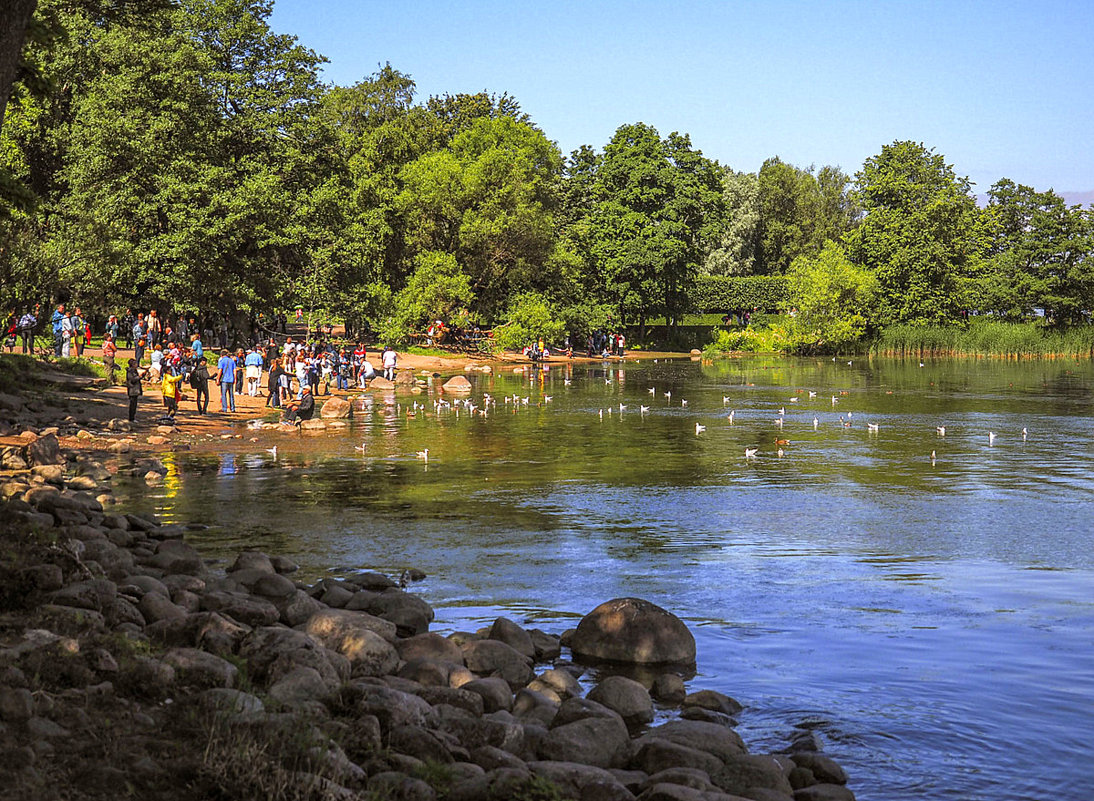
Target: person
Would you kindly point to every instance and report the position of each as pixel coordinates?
(140, 337)
(199, 381)
(133, 387)
(155, 327)
(389, 361)
(27, 323)
(110, 352)
(156, 370)
(171, 393)
(57, 321)
(240, 364)
(253, 364)
(226, 377)
(78, 325)
(273, 385)
(11, 330)
(127, 327)
(303, 409)
(113, 328)
(68, 331)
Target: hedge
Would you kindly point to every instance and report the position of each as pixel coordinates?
(725, 293)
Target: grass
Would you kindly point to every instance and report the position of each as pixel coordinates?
(987, 338)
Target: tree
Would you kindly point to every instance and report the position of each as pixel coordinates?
(530, 318)
(734, 246)
(922, 234)
(437, 290)
(832, 301)
(1040, 255)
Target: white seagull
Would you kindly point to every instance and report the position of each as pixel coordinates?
(699, 429)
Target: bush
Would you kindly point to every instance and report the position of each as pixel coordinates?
(747, 340)
(530, 318)
(437, 290)
(724, 293)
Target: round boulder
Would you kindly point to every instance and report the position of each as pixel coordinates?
(457, 385)
(335, 409)
(633, 631)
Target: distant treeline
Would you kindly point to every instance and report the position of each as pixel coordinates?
(186, 156)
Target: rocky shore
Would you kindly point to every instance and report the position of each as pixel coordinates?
(132, 667)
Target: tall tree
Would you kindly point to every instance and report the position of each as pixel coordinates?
(922, 234)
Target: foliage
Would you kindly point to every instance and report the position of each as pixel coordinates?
(582, 319)
(730, 293)
(530, 319)
(832, 301)
(987, 337)
(922, 235)
(733, 247)
(437, 290)
(751, 339)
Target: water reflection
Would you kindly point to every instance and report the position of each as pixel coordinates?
(932, 621)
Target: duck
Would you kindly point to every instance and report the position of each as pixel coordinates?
(424, 455)
(781, 441)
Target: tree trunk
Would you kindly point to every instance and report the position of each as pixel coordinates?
(14, 17)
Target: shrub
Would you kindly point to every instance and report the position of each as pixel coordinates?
(530, 318)
(724, 293)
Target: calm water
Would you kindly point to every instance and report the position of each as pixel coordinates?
(934, 623)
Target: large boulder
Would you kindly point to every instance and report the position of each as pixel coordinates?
(601, 742)
(44, 450)
(625, 696)
(457, 385)
(379, 382)
(336, 409)
(494, 658)
(633, 631)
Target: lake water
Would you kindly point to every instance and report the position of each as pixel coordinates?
(932, 621)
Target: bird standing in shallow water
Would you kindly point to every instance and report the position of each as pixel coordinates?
(991, 438)
(1023, 435)
(750, 453)
(941, 430)
(699, 429)
(424, 455)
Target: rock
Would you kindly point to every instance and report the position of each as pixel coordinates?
(252, 560)
(332, 626)
(392, 707)
(668, 688)
(490, 758)
(274, 587)
(633, 631)
(494, 658)
(405, 378)
(410, 614)
(154, 606)
(417, 742)
(337, 596)
(301, 688)
(602, 742)
(457, 385)
(495, 693)
(574, 709)
(824, 768)
(506, 631)
(560, 682)
(686, 777)
(429, 645)
(44, 450)
(16, 705)
(193, 666)
(282, 564)
(50, 473)
(176, 556)
(743, 772)
(547, 646)
(824, 792)
(529, 705)
(336, 409)
(396, 785)
(224, 699)
(247, 609)
(381, 383)
(714, 701)
(298, 609)
(718, 741)
(655, 754)
(625, 696)
(312, 425)
(574, 778)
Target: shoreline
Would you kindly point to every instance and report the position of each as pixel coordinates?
(115, 629)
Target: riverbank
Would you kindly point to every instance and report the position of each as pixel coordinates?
(127, 660)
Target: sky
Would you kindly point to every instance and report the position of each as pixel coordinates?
(999, 88)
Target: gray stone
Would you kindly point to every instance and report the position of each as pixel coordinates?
(655, 754)
(274, 587)
(668, 688)
(633, 631)
(602, 742)
(16, 704)
(495, 692)
(574, 709)
(246, 609)
(742, 772)
(193, 666)
(625, 696)
(301, 688)
(224, 699)
(252, 560)
(494, 658)
(714, 701)
(824, 768)
(547, 646)
(332, 626)
(716, 740)
(560, 683)
(529, 705)
(176, 556)
(506, 631)
(419, 743)
(824, 792)
(429, 645)
(44, 450)
(154, 606)
(573, 777)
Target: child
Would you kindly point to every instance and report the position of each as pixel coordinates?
(171, 393)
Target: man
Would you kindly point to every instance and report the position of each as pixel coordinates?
(57, 321)
(226, 377)
(140, 337)
(302, 409)
(133, 387)
(199, 381)
(110, 351)
(113, 328)
(78, 324)
(126, 327)
(155, 327)
(68, 331)
(389, 360)
(27, 323)
(253, 365)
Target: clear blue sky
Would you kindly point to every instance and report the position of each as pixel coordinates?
(1001, 89)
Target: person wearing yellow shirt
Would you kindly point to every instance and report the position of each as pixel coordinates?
(170, 388)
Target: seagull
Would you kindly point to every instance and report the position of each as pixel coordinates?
(941, 430)
(922, 365)
(782, 410)
(607, 380)
(683, 403)
(816, 422)
(652, 390)
(848, 364)
(424, 455)
(991, 438)
(668, 394)
(932, 458)
(850, 415)
(622, 407)
(731, 417)
(812, 394)
(779, 422)
(548, 398)
(794, 399)
(872, 427)
(750, 453)
(601, 414)
(699, 429)
(725, 400)
(780, 453)
(1023, 435)
(643, 409)
(835, 400)
(360, 447)
(566, 382)
(272, 451)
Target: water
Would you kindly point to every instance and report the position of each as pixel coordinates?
(933, 622)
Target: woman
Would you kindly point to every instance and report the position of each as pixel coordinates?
(199, 381)
(133, 387)
(273, 387)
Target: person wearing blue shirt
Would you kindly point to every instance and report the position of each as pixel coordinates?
(57, 320)
(197, 347)
(226, 377)
(253, 366)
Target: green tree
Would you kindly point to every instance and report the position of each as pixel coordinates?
(530, 318)
(922, 234)
(832, 301)
(437, 290)
(734, 250)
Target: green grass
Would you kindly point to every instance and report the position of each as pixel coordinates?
(987, 338)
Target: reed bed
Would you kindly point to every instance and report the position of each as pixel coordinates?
(988, 338)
